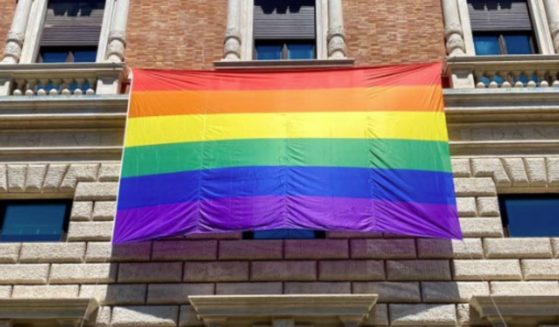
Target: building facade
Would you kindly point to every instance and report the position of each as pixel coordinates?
(64, 81)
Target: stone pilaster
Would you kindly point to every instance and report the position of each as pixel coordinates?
(336, 38)
(117, 33)
(16, 35)
(552, 9)
(232, 45)
(454, 34)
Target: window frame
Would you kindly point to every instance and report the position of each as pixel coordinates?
(250, 235)
(284, 48)
(502, 41)
(4, 203)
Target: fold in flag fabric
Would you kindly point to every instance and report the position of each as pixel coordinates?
(360, 150)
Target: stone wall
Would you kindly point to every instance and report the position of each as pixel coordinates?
(419, 281)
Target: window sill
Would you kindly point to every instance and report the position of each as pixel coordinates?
(284, 64)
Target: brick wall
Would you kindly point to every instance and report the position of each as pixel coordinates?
(176, 34)
(390, 32)
(7, 8)
(189, 34)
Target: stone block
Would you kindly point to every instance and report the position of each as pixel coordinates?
(105, 252)
(79, 173)
(535, 168)
(82, 273)
(105, 191)
(468, 316)
(466, 207)
(518, 247)
(461, 167)
(185, 250)
(104, 210)
(525, 288)
(176, 293)
(150, 272)
(445, 292)
(90, 231)
(348, 270)
(103, 317)
(113, 294)
(383, 249)
(188, 317)
(24, 274)
(45, 291)
(53, 178)
(554, 242)
(474, 186)
(145, 316)
(481, 227)
(488, 206)
(81, 210)
(249, 288)
(52, 252)
(552, 171)
(3, 179)
(16, 178)
(316, 249)
(317, 288)
(378, 316)
(109, 172)
(35, 177)
(491, 167)
(517, 171)
(250, 249)
(418, 270)
(9, 252)
(540, 269)
(487, 270)
(404, 292)
(423, 314)
(224, 271)
(5, 292)
(468, 248)
(284, 270)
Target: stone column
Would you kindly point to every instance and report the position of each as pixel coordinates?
(336, 38)
(232, 46)
(455, 45)
(16, 35)
(552, 9)
(117, 32)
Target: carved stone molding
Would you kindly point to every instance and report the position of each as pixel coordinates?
(454, 35)
(524, 310)
(59, 312)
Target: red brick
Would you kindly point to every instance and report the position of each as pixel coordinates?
(7, 8)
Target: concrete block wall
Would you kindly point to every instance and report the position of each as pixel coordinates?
(420, 281)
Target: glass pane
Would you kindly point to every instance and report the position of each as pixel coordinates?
(487, 45)
(531, 216)
(54, 56)
(518, 43)
(279, 234)
(25, 221)
(86, 55)
(268, 51)
(300, 50)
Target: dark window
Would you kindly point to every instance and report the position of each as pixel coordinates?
(501, 27)
(280, 234)
(71, 31)
(34, 221)
(530, 215)
(284, 29)
(276, 50)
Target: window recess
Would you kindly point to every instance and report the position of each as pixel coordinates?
(532, 215)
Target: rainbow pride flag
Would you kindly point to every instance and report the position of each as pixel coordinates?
(336, 150)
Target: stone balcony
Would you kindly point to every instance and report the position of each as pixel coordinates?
(62, 79)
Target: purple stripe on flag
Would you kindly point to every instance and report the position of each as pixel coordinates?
(280, 212)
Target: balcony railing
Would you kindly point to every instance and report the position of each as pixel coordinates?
(61, 79)
(493, 72)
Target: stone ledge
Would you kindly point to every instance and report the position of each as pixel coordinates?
(40, 309)
(524, 309)
(284, 64)
(253, 308)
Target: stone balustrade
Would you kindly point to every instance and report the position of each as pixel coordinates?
(61, 79)
(535, 71)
